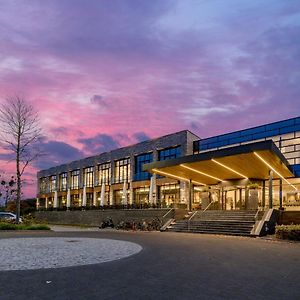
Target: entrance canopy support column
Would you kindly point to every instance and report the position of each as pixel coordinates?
(190, 187)
(263, 201)
(280, 193)
(271, 189)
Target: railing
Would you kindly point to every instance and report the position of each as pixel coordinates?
(207, 207)
(191, 217)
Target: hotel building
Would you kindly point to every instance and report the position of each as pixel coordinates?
(254, 168)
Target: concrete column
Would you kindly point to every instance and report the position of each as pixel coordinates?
(112, 180)
(235, 197)
(46, 203)
(95, 203)
(246, 197)
(55, 202)
(280, 193)
(241, 198)
(263, 200)
(190, 187)
(271, 189)
(37, 203)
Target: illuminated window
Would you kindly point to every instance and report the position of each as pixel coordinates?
(63, 181)
(122, 170)
(52, 183)
(75, 179)
(169, 153)
(89, 177)
(140, 160)
(43, 185)
(104, 173)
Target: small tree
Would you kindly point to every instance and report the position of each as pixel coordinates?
(7, 189)
(20, 131)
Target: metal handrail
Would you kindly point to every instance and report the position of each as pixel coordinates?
(190, 218)
(207, 207)
(167, 213)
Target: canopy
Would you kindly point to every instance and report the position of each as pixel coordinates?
(253, 161)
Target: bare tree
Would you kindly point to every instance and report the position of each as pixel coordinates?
(19, 132)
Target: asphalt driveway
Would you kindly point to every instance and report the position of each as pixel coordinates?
(170, 266)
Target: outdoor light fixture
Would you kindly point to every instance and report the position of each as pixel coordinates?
(197, 182)
(202, 173)
(175, 176)
(266, 163)
(228, 168)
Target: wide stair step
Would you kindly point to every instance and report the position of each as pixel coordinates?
(218, 222)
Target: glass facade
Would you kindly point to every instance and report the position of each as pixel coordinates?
(75, 179)
(141, 195)
(140, 160)
(285, 134)
(43, 185)
(169, 195)
(52, 183)
(122, 170)
(63, 181)
(88, 177)
(169, 153)
(104, 171)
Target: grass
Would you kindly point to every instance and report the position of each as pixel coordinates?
(11, 226)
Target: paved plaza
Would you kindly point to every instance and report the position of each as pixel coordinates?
(169, 266)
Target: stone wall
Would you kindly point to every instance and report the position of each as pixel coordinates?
(289, 217)
(95, 217)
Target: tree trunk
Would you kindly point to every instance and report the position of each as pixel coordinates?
(18, 206)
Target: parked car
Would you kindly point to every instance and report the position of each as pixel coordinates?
(8, 216)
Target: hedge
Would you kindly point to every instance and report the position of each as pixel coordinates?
(11, 226)
(288, 232)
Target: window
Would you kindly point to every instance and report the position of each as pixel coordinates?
(75, 179)
(63, 181)
(169, 153)
(52, 183)
(122, 170)
(89, 177)
(140, 160)
(43, 185)
(104, 173)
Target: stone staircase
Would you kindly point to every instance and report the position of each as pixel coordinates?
(217, 222)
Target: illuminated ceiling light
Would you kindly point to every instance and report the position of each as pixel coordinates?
(224, 166)
(266, 163)
(175, 176)
(169, 175)
(202, 173)
(197, 182)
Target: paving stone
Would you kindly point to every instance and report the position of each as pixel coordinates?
(39, 253)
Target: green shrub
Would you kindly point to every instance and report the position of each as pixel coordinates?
(7, 226)
(11, 226)
(289, 232)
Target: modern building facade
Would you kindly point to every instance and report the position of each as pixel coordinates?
(253, 168)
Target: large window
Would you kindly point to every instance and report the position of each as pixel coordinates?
(140, 160)
(52, 183)
(75, 179)
(43, 185)
(104, 173)
(89, 177)
(122, 170)
(169, 153)
(63, 181)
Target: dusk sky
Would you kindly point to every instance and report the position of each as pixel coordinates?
(105, 74)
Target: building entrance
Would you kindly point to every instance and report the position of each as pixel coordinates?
(229, 198)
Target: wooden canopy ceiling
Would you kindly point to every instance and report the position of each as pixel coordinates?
(253, 161)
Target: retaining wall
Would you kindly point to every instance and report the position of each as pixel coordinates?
(95, 217)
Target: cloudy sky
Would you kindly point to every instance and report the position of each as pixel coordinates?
(104, 74)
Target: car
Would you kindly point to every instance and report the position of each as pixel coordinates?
(8, 216)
